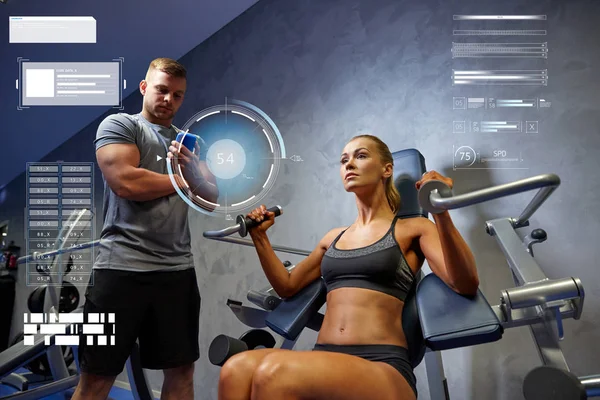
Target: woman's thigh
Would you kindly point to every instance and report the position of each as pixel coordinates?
(242, 365)
(327, 375)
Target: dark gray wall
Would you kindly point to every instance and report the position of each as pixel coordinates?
(327, 70)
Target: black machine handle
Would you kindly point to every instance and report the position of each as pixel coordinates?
(247, 223)
(243, 225)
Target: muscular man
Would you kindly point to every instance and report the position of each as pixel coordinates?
(144, 271)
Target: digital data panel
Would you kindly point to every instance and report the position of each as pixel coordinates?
(487, 157)
(46, 29)
(70, 83)
(59, 216)
(499, 76)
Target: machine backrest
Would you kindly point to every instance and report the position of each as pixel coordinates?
(409, 167)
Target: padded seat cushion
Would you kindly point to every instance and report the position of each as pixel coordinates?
(292, 314)
(450, 320)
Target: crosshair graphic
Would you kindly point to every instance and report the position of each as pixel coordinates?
(243, 149)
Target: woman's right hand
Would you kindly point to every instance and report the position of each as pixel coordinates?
(265, 219)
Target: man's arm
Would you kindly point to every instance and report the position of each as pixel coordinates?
(119, 165)
(194, 170)
(207, 189)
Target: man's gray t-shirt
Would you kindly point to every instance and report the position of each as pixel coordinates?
(143, 235)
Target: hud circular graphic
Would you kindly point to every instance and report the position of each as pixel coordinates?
(243, 150)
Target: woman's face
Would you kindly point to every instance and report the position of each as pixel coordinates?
(360, 165)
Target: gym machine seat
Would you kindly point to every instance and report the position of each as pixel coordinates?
(19, 355)
(450, 320)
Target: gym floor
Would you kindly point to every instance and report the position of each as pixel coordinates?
(115, 394)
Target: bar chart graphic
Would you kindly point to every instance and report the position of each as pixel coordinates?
(499, 17)
(504, 103)
(499, 50)
(499, 32)
(474, 103)
(499, 127)
(500, 77)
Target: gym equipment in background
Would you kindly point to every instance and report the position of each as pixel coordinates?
(44, 355)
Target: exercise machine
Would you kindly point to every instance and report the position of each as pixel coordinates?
(435, 318)
(63, 379)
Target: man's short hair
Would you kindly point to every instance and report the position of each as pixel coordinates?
(168, 66)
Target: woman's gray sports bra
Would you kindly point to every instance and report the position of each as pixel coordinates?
(380, 266)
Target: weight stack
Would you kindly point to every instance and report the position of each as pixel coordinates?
(7, 302)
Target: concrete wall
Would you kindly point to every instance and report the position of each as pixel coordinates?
(325, 71)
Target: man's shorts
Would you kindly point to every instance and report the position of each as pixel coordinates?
(160, 309)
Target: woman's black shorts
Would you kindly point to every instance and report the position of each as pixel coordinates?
(396, 356)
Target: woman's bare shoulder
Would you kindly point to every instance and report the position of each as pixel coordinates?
(411, 227)
(331, 235)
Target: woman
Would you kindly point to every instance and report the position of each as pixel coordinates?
(368, 267)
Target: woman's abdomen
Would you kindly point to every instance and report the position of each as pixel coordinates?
(362, 316)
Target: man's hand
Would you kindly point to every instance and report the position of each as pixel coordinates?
(188, 164)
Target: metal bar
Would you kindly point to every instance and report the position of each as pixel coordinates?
(69, 226)
(546, 341)
(542, 292)
(525, 316)
(438, 387)
(52, 253)
(263, 300)
(223, 232)
(591, 384)
(140, 388)
(539, 199)
(542, 320)
(56, 359)
(246, 242)
(45, 390)
(75, 350)
(269, 291)
(525, 269)
(287, 344)
(548, 183)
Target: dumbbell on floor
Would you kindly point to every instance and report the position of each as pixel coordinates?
(224, 347)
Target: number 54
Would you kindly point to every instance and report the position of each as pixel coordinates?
(221, 160)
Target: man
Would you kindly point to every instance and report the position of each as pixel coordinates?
(144, 271)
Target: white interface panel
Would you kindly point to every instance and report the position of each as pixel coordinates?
(70, 83)
(52, 30)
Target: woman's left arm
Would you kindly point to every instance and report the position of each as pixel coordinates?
(447, 253)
